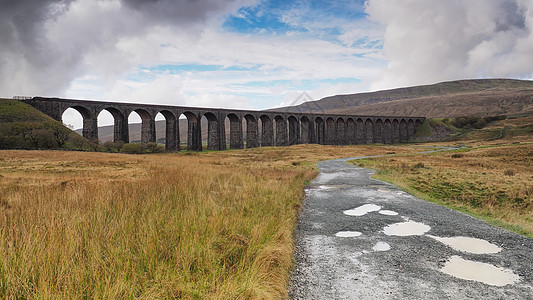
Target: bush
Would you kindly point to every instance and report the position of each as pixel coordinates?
(154, 148)
(131, 148)
(111, 146)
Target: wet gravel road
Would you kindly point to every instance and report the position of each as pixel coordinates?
(359, 238)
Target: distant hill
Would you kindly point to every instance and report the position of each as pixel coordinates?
(477, 97)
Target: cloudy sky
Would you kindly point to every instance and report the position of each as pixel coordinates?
(254, 54)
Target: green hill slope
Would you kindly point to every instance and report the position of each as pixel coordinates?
(24, 127)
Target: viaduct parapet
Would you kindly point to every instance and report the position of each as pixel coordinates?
(260, 128)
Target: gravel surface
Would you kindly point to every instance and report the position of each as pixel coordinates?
(350, 256)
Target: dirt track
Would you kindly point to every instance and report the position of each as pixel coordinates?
(359, 238)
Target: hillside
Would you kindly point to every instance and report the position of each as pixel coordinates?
(24, 127)
(480, 97)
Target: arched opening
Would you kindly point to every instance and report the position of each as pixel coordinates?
(410, 128)
(234, 136)
(267, 131)
(395, 131)
(378, 131)
(166, 130)
(89, 122)
(294, 130)
(108, 131)
(252, 131)
(281, 138)
(306, 130)
(73, 119)
(403, 131)
(350, 131)
(341, 132)
(213, 134)
(417, 123)
(146, 126)
(369, 132)
(160, 128)
(190, 131)
(330, 137)
(387, 132)
(319, 131)
(134, 127)
(360, 131)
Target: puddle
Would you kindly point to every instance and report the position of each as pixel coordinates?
(381, 246)
(399, 193)
(348, 233)
(468, 244)
(362, 210)
(478, 271)
(384, 190)
(406, 229)
(388, 212)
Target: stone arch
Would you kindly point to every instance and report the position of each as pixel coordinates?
(360, 131)
(235, 131)
(171, 130)
(350, 131)
(281, 138)
(369, 132)
(306, 130)
(404, 135)
(395, 131)
(410, 128)
(378, 131)
(90, 122)
(147, 125)
(267, 131)
(194, 131)
(214, 140)
(294, 132)
(320, 131)
(252, 134)
(120, 124)
(387, 132)
(330, 137)
(341, 132)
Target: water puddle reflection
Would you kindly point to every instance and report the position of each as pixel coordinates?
(406, 229)
(478, 271)
(362, 210)
(468, 244)
(348, 234)
(381, 246)
(388, 212)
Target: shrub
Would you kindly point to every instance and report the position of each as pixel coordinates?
(131, 148)
(111, 146)
(457, 155)
(154, 148)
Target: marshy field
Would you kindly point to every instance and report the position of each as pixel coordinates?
(212, 225)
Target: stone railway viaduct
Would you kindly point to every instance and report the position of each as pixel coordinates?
(263, 128)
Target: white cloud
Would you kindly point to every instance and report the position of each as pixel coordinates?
(431, 41)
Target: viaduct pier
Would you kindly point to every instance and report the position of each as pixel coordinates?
(246, 127)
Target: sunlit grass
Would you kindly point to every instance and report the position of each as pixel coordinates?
(492, 182)
(214, 225)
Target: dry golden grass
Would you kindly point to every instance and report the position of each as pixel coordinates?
(491, 181)
(212, 225)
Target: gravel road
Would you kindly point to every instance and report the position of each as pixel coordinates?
(359, 238)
